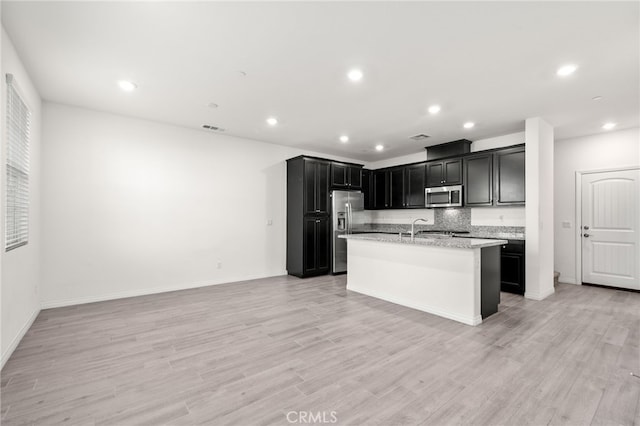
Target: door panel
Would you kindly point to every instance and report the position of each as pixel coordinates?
(339, 175)
(452, 172)
(355, 177)
(478, 190)
(510, 176)
(611, 228)
(415, 186)
(380, 200)
(434, 174)
(322, 244)
(322, 188)
(310, 264)
(397, 188)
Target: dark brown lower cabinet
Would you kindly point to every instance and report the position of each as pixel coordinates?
(512, 267)
(316, 258)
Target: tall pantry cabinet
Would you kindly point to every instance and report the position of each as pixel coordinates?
(308, 216)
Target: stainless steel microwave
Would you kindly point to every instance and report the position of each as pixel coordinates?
(443, 196)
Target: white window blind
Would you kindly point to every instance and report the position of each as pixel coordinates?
(18, 124)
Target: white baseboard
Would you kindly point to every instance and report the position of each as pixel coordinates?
(539, 296)
(569, 280)
(146, 291)
(411, 304)
(16, 340)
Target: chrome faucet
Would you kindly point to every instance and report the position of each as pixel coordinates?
(413, 234)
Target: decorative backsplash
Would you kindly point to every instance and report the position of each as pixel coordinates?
(454, 219)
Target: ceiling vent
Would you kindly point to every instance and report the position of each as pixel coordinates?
(419, 137)
(214, 128)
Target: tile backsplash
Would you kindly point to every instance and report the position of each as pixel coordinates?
(454, 218)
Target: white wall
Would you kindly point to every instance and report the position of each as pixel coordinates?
(21, 267)
(134, 207)
(480, 216)
(607, 150)
(539, 209)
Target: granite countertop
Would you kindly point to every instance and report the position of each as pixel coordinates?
(483, 232)
(500, 235)
(428, 240)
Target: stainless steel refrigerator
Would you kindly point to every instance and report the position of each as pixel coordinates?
(347, 208)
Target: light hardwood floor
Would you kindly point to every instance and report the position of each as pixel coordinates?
(249, 353)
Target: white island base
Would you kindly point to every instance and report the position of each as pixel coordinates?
(462, 284)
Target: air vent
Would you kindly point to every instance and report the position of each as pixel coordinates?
(419, 137)
(214, 128)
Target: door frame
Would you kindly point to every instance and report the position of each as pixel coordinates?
(578, 217)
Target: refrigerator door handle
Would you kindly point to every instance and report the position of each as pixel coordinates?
(348, 218)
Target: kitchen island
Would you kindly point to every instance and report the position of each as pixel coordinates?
(456, 278)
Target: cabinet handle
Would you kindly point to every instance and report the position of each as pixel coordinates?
(317, 221)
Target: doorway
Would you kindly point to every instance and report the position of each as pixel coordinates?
(610, 228)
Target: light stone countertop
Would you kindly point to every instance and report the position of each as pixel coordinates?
(501, 235)
(428, 240)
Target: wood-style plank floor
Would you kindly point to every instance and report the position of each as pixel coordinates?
(249, 353)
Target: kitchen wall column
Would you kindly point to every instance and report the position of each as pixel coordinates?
(539, 208)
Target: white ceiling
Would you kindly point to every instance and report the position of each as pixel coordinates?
(491, 63)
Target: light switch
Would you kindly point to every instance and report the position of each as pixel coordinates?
(566, 224)
(269, 222)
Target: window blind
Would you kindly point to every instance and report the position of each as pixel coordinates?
(17, 192)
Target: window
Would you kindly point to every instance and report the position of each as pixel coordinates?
(17, 213)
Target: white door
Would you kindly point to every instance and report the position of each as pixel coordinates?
(611, 228)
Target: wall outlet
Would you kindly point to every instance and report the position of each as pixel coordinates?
(219, 265)
(566, 224)
(269, 222)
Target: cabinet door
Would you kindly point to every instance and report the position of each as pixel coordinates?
(414, 185)
(316, 245)
(323, 258)
(380, 192)
(339, 175)
(512, 273)
(309, 245)
(396, 188)
(366, 189)
(509, 176)
(316, 187)
(355, 177)
(322, 188)
(478, 188)
(434, 174)
(309, 182)
(452, 172)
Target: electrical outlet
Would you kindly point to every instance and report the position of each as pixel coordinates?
(219, 265)
(269, 222)
(566, 224)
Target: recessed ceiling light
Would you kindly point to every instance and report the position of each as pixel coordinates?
(355, 75)
(344, 138)
(212, 105)
(127, 86)
(468, 125)
(566, 70)
(379, 147)
(596, 98)
(434, 109)
(608, 126)
(272, 121)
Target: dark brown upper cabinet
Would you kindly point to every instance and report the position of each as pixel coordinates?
(380, 189)
(509, 176)
(414, 184)
(478, 180)
(316, 187)
(346, 176)
(367, 188)
(444, 172)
